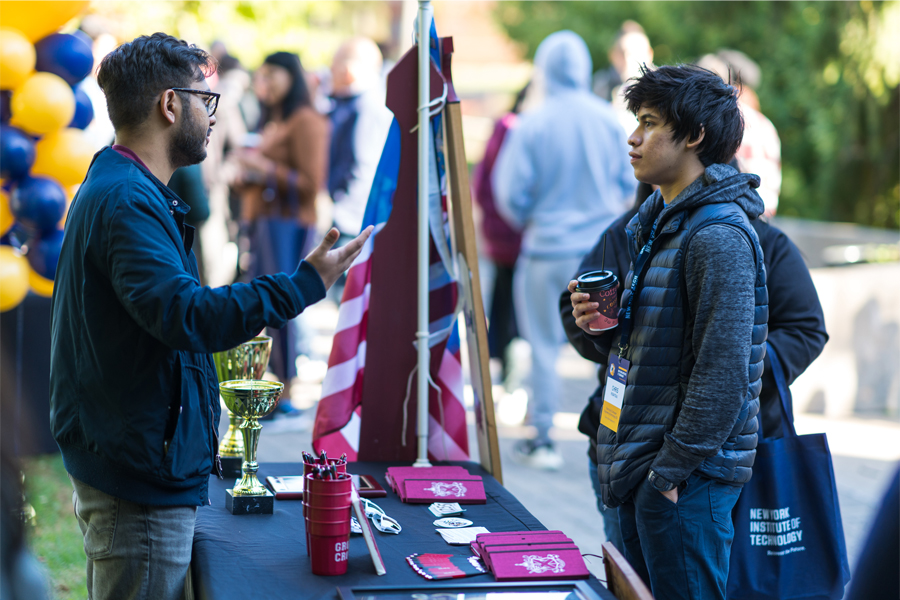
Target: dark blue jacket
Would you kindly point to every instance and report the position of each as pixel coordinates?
(134, 400)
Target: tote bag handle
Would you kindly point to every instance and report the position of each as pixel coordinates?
(787, 413)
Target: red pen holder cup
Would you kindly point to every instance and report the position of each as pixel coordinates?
(328, 528)
(329, 554)
(340, 466)
(326, 500)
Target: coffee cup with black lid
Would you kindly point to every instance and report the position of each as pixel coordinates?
(603, 287)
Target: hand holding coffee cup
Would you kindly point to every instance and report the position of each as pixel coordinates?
(595, 301)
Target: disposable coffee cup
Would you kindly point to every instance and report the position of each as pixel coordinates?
(603, 288)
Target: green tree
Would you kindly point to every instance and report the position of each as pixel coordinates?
(250, 29)
(830, 84)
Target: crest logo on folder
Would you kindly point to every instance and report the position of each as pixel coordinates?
(443, 489)
(542, 564)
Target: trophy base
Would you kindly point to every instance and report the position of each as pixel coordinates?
(250, 505)
(231, 466)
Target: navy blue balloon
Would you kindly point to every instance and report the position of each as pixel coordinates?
(16, 153)
(43, 253)
(84, 110)
(65, 55)
(38, 203)
(5, 111)
(14, 237)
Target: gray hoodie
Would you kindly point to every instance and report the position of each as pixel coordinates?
(563, 173)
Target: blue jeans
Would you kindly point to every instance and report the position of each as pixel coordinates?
(681, 550)
(610, 515)
(134, 551)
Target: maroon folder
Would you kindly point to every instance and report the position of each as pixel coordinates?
(537, 565)
(464, 490)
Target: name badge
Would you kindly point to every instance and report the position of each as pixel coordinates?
(614, 394)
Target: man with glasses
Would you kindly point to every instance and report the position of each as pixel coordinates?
(134, 394)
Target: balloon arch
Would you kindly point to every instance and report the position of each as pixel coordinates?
(44, 153)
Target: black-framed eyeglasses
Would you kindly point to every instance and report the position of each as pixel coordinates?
(212, 98)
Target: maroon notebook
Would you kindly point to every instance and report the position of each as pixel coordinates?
(464, 490)
(396, 475)
(538, 565)
(517, 537)
(521, 537)
(530, 548)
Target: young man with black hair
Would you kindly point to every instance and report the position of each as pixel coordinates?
(678, 427)
(134, 394)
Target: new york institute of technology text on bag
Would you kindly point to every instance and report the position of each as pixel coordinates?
(788, 535)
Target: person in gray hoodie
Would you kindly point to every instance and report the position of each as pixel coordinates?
(561, 177)
(678, 428)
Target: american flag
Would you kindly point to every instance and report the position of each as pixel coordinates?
(339, 414)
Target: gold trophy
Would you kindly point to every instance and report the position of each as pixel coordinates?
(250, 399)
(247, 361)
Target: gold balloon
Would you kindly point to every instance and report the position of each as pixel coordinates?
(17, 58)
(43, 104)
(40, 285)
(14, 271)
(39, 19)
(6, 217)
(63, 155)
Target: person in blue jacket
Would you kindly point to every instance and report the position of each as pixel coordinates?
(134, 396)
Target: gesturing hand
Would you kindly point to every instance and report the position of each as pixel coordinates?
(583, 310)
(331, 263)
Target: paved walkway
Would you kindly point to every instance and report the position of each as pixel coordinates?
(865, 454)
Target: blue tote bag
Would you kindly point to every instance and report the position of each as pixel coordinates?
(788, 536)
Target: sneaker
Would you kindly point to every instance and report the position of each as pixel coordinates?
(537, 455)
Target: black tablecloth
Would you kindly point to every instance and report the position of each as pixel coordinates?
(264, 556)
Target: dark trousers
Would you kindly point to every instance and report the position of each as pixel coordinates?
(681, 550)
(502, 315)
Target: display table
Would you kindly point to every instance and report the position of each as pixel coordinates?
(264, 556)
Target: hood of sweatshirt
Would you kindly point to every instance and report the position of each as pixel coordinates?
(565, 62)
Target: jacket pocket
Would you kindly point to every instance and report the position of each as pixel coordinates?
(188, 453)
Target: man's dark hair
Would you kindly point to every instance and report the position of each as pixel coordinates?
(691, 99)
(133, 75)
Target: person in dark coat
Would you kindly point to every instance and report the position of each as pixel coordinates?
(796, 326)
(134, 396)
(678, 431)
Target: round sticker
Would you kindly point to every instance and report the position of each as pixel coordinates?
(453, 522)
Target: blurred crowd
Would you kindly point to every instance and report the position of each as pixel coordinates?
(294, 152)
(549, 189)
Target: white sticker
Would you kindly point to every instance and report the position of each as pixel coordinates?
(453, 522)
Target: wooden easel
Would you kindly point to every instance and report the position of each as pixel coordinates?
(467, 257)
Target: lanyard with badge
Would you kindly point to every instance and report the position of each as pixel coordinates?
(617, 373)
